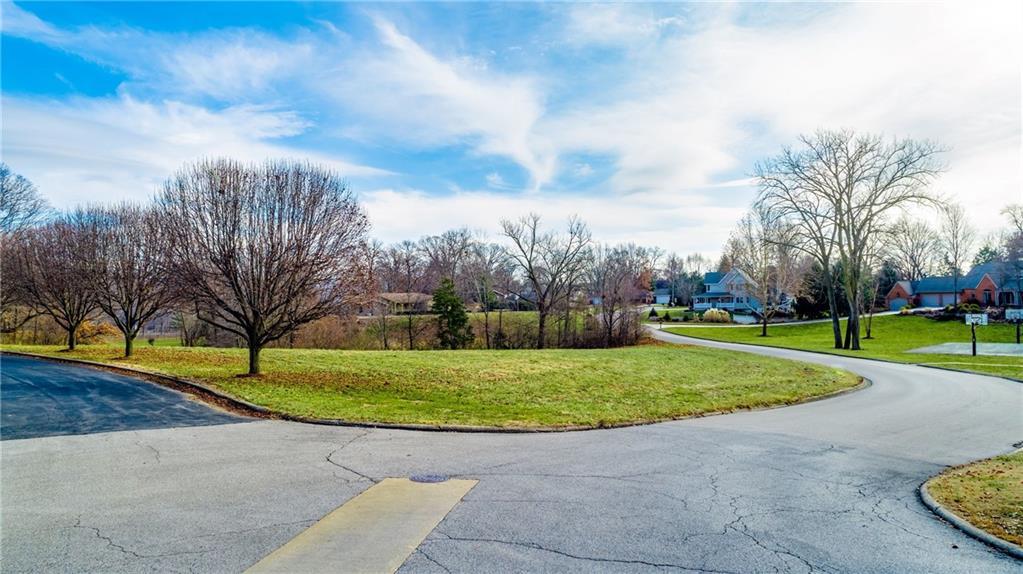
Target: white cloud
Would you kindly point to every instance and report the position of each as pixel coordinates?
(495, 180)
(412, 94)
(87, 150)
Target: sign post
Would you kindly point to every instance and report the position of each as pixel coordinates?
(1015, 316)
(974, 319)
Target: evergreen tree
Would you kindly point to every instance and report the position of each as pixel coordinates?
(453, 329)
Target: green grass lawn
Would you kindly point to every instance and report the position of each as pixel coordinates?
(893, 336)
(500, 388)
(987, 494)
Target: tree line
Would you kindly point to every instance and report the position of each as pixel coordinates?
(260, 250)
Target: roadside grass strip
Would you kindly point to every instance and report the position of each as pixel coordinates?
(893, 339)
(516, 389)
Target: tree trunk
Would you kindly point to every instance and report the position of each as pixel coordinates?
(852, 327)
(129, 343)
(254, 359)
(72, 339)
(486, 325)
(836, 324)
(541, 329)
(763, 330)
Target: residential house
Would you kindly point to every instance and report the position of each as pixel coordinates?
(987, 284)
(405, 303)
(726, 291)
(662, 296)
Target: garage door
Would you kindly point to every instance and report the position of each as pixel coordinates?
(930, 300)
(897, 304)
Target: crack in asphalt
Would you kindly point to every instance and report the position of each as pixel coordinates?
(535, 546)
(156, 452)
(330, 459)
(423, 553)
(126, 551)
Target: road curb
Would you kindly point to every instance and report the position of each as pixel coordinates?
(232, 403)
(953, 519)
(889, 361)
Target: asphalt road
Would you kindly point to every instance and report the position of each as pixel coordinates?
(828, 486)
(47, 399)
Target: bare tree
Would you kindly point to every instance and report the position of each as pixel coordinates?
(761, 247)
(957, 238)
(130, 279)
(844, 186)
(406, 269)
(615, 275)
(488, 266)
(911, 248)
(551, 263)
(263, 249)
(20, 203)
(446, 255)
(56, 261)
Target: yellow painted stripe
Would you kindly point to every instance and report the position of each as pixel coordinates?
(375, 532)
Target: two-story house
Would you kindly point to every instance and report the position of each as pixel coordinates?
(726, 291)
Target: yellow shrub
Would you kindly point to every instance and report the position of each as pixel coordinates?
(716, 316)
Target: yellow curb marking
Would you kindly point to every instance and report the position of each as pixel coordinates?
(375, 532)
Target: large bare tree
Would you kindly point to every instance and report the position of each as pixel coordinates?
(551, 263)
(56, 262)
(912, 245)
(21, 206)
(130, 281)
(849, 184)
(956, 239)
(263, 249)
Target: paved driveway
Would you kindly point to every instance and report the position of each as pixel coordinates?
(828, 486)
(42, 398)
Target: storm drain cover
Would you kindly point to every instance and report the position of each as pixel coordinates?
(428, 478)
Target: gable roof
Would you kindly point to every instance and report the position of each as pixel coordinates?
(712, 277)
(406, 298)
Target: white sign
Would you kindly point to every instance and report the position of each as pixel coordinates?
(1014, 314)
(976, 319)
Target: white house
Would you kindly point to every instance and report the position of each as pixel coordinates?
(726, 291)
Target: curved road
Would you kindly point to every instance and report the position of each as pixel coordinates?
(828, 486)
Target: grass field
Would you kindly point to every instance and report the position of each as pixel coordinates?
(893, 336)
(987, 494)
(500, 388)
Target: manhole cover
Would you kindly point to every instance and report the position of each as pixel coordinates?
(428, 478)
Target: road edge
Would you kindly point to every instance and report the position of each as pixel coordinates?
(965, 526)
(826, 353)
(241, 406)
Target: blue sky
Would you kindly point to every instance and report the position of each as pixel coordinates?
(643, 119)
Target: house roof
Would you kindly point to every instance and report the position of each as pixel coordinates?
(405, 298)
(663, 291)
(712, 277)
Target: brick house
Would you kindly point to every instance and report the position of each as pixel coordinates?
(988, 284)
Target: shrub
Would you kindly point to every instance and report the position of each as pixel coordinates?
(666, 316)
(96, 332)
(653, 313)
(151, 341)
(716, 316)
(905, 310)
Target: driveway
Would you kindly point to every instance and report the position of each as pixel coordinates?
(828, 486)
(47, 399)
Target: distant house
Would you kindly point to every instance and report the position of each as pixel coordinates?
(404, 303)
(988, 284)
(726, 291)
(662, 296)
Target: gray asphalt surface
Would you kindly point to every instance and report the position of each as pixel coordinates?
(41, 398)
(828, 486)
